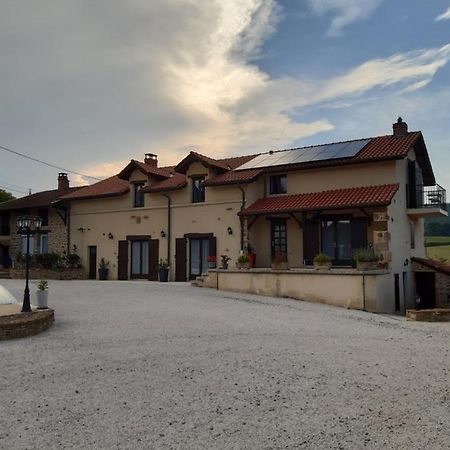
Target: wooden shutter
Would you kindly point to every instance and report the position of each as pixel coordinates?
(358, 233)
(180, 259)
(153, 259)
(122, 261)
(311, 244)
(212, 246)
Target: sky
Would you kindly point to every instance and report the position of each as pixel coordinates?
(88, 85)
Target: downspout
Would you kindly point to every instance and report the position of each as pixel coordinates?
(241, 220)
(169, 238)
(68, 229)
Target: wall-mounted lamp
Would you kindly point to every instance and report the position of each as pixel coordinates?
(110, 235)
(163, 234)
(230, 230)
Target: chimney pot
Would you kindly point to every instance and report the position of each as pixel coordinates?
(400, 128)
(151, 159)
(63, 182)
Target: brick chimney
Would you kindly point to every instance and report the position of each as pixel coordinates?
(63, 182)
(151, 159)
(400, 128)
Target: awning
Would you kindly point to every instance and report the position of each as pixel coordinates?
(359, 197)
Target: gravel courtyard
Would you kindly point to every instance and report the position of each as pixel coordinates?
(138, 365)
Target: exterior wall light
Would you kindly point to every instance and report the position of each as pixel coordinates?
(110, 235)
(230, 230)
(163, 234)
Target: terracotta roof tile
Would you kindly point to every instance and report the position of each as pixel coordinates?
(233, 177)
(177, 181)
(388, 146)
(333, 199)
(236, 161)
(44, 198)
(105, 188)
(150, 169)
(433, 264)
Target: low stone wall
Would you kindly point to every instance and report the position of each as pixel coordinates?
(428, 315)
(370, 290)
(25, 324)
(48, 274)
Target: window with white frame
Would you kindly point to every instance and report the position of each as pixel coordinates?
(43, 244)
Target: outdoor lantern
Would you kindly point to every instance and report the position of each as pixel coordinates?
(230, 230)
(110, 235)
(23, 222)
(37, 222)
(163, 234)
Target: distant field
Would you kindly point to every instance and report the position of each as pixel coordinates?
(443, 251)
(437, 240)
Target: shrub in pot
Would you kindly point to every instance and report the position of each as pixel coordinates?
(243, 261)
(366, 259)
(163, 270)
(280, 261)
(224, 259)
(322, 262)
(42, 294)
(252, 256)
(212, 262)
(103, 269)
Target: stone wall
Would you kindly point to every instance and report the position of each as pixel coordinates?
(442, 284)
(48, 274)
(22, 325)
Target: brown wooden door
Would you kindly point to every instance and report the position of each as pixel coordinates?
(122, 261)
(153, 259)
(180, 259)
(92, 262)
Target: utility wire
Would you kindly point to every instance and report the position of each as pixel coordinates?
(12, 185)
(14, 190)
(46, 163)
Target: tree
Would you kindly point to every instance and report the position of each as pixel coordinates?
(5, 196)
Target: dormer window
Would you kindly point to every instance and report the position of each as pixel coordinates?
(198, 190)
(138, 195)
(278, 184)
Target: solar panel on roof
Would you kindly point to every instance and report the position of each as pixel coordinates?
(306, 154)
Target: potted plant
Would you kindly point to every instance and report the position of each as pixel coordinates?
(212, 262)
(163, 270)
(243, 261)
(366, 259)
(103, 269)
(322, 262)
(42, 294)
(224, 259)
(252, 256)
(280, 261)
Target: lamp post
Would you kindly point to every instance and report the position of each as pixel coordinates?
(25, 226)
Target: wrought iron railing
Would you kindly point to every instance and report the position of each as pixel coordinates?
(427, 197)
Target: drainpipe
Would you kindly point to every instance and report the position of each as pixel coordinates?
(168, 226)
(241, 220)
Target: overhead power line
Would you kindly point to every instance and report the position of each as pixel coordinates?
(14, 190)
(47, 164)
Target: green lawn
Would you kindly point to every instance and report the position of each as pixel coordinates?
(443, 251)
(437, 240)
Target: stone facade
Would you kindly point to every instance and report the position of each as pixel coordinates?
(23, 325)
(442, 284)
(48, 274)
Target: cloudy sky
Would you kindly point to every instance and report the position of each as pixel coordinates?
(89, 84)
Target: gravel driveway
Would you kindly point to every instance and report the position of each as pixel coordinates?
(145, 365)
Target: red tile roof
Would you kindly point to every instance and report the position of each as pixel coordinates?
(234, 177)
(44, 198)
(105, 188)
(146, 169)
(333, 199)
(388, 146)
(177, 181)
(182, 166)
(237, 161)
(433, 264)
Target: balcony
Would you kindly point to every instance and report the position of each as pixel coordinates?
(427, 201)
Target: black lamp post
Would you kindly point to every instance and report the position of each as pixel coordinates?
(25, 226)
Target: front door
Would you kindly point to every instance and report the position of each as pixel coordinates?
(198, 256)
(139, 259)
(122, 263)
(336, 240)
(92, 262)
(180, 259)
(278, 237)
(425, 288)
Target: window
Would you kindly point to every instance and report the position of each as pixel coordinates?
(198, 190)
(279, 237)
(23, 244)
(278, 184)
(138, 195)
(139, 259)
(43, 244)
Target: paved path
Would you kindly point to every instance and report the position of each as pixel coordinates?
(146, 365)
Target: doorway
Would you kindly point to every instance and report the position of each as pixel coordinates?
(278, 235)
(92, 250)
(139, 259)
(198, 256)
(336, 240)
(425, 288)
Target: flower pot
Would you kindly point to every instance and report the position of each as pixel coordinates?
(252, 257)
(366, 265)
(243, 265)
(322, 266)
(42, 298)
(163, 275)
(211, 264)
(103, 274)
(225, 266)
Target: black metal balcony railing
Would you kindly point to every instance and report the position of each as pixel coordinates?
(427, 197)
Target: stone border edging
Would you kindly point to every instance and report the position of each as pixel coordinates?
(25, 324)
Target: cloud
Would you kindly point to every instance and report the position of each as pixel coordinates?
(444, 16)
(345, 11)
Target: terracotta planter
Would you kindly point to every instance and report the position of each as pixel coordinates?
(323, 266)
(366, 265)
(252, 257)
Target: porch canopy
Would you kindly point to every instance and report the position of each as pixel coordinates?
(358, 197)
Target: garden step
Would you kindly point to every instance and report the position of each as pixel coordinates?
(4, 273)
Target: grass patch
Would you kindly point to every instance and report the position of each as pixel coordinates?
(431, 241)
(439, 252)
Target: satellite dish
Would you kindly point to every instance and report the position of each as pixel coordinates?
(6, 298)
